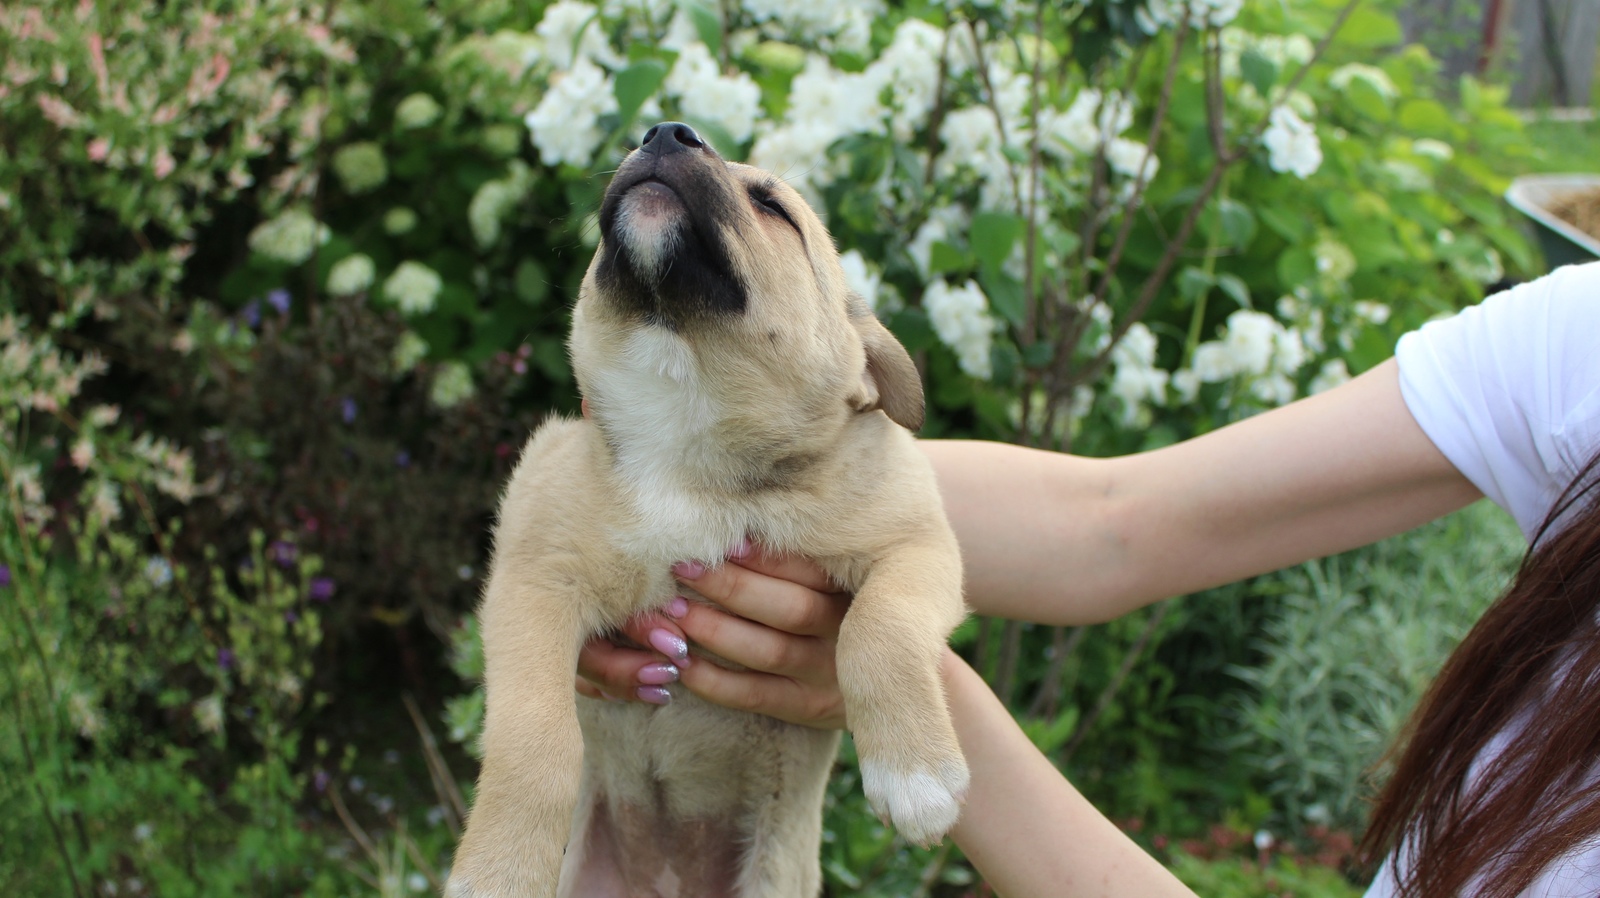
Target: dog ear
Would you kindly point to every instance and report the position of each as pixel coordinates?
(890, 381)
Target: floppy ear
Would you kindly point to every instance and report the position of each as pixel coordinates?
(890, 381)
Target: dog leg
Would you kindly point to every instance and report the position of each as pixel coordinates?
(889, 649)
(533, 749)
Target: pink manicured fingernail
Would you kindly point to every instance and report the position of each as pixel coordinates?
(655, 695)
(658, 674)
(741, 549)
(667, 644)
(677, 608)
(688, 570)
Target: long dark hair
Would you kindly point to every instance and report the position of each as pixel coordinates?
(1537, 646)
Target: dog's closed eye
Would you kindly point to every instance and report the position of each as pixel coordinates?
(762, 196)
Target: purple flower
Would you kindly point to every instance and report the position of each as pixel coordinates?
(5, 575)
(319, 780)
(290, 617)
(279, 299)
(402, 459)
(251, 313)
(347, 409)
(282, 552)
(225, 659)
(321, 588)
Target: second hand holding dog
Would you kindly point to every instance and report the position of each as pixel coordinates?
(776, 616)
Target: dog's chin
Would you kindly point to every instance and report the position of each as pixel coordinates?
(649, 229)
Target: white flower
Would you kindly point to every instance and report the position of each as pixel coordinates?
(1274, 389)
(733, 103)
(942, 222)
(408, 352)
(494, 201)
(418, 110)
(158, 571)
(1186, 383)
(565, 126)
(1212, 362)
(399, 220)
(1292, 144)
(960, 317)
(1429, 148)
(1092, 119)
(559, 30)
(208, 713)
(1250, 340)
(1128, 157)
(1372, 76)
(452, 384)
(1159, 14)
(351, 275)
(85, 715)
(1333, 373)
(1369, 310)
(1136, 349)
(861, 277)
(360, 167)
(413, 288)
(1334, 260)
(909, 68)
(289, 238)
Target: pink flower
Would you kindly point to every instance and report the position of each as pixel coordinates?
(57, 111)
(163, 164)
(99, 148)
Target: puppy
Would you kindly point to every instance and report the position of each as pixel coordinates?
(737, 389)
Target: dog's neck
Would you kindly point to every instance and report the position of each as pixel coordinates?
(667, 438)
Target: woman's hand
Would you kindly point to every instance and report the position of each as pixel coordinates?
(778, 618)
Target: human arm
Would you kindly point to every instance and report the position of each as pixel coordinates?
(1064, 539)
(1024, 826)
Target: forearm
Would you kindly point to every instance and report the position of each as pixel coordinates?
(1024, 826)
(1060, 539)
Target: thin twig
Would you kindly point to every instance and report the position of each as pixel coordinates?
(1115, 686)
(444, 784)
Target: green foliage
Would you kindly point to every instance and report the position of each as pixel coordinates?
(1354, 642)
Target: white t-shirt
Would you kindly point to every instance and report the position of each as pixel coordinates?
(1509, 390)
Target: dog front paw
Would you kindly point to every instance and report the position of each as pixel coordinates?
(922, 802)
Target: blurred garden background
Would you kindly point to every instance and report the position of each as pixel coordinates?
(284, 285)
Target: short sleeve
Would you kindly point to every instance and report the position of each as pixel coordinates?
(1509, 389)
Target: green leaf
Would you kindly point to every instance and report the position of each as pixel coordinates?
(944, 258)
(1427, 118)
(1284, 223)
(993, 234)
(1237, 221)
(1367, 100)
(912, 328)
(1192, 282)
(531, 282)
(707, 24)
(1235, 288)
(1040, 354)
(1368, 27)
(1259, 70)
(1005, 294)
(635, 84)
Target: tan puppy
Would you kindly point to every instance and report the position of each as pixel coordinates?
(737, 390)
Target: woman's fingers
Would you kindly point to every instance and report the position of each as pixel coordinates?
(788, 594)
(757, 646)
(786, 699)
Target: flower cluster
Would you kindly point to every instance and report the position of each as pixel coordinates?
(960, 316)
(291, 237)
(1291, 143)
(413, 288)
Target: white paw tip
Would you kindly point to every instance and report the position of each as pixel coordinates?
(923, 803)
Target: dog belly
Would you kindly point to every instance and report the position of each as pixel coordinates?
(696, 801)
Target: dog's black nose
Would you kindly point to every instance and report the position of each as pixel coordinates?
(671, 137)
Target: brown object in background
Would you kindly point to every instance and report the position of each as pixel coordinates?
(1581, 209)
